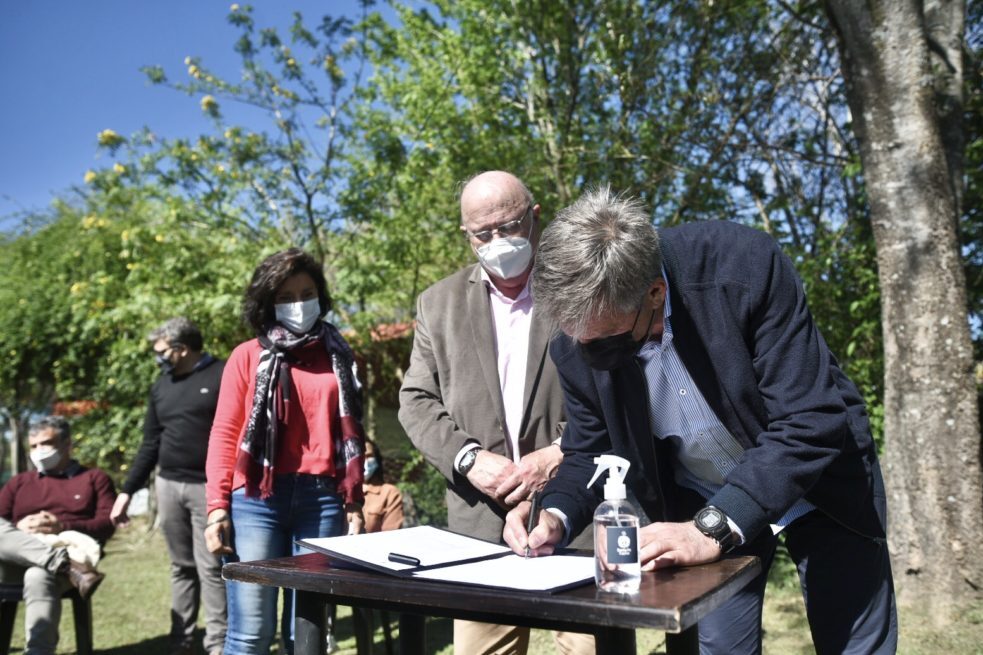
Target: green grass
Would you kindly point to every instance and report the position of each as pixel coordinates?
(132, 614)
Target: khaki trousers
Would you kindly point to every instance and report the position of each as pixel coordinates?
(473, 638)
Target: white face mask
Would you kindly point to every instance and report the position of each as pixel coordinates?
(45, 459)
(370, 467)
(298, 317)
(506, 257)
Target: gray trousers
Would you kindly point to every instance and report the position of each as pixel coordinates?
(196, 574)
(26, 559)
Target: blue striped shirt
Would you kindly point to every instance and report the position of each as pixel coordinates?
(705, 450)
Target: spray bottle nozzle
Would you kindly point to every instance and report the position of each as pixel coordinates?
(617, 467)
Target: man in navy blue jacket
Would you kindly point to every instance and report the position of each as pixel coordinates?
(691, 352)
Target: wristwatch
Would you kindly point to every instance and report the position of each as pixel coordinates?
(467, 461)
(713, 523)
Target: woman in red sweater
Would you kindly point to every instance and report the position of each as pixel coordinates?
(285, 454)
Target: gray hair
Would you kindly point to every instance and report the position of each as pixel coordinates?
(597, 257)
(176, 331)
(53, 422)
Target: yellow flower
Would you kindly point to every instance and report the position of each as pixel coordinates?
(291, 62)
(89, 222)
(111, 381)
(75, 288)
(187, 61)
(119, 168)
(209, 105)
(124, 236)
(234, 7)
(90, 177)
(109, 139)
(159, 238)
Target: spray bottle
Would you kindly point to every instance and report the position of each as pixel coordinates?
(616, 565)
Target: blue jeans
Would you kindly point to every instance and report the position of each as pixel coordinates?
(301, 507)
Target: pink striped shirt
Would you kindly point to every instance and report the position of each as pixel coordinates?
(512, 320)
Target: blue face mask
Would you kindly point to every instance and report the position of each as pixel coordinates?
(298, 317)
(371, 467)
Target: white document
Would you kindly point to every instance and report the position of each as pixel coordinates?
(516, 572)
(437, 554)
(430, 546)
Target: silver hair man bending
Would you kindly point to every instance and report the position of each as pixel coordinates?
(691, 352)
(575, 281)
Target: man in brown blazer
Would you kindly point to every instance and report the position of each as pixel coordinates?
(481, 398)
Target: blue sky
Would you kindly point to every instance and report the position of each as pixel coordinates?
(69, 70)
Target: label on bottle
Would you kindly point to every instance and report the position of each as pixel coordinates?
(622, 545)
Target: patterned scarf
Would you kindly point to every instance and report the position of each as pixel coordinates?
(271, 409)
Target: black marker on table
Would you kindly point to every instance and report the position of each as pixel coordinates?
(532, 519)
(404, 559)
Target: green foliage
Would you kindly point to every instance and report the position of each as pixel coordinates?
(425, 485)
(84, 289)
(730, 111)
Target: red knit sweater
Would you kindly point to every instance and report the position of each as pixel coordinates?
(306, 444)
(81, 499)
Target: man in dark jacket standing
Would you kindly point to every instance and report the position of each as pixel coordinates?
(691, 352)
(175, 440)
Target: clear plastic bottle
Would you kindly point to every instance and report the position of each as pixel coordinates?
(616, 558)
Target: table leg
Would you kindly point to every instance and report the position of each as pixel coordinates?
(412, 634)
(362, 621)
(309, 623)
(686, 642)
(614, 641)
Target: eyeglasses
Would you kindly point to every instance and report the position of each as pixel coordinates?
(503, 230)
(163, 353)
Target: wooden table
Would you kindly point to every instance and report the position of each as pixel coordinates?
(672, 600)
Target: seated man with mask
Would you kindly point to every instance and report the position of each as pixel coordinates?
(53, 522)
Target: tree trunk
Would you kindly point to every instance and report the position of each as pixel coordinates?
(901, 93)
(19, 426)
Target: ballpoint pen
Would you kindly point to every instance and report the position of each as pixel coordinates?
(532, 519)
(404, 559)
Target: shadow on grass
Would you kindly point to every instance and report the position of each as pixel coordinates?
(439, 633)
(155, 646)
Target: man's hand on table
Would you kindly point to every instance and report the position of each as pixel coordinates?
(675, 544)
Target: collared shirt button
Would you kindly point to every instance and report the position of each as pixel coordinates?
(682, 392)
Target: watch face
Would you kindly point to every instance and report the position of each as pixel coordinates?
(468, 460)
(711, 521)
(710, 518)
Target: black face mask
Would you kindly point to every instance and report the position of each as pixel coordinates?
(164, 364)
(609, 353)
